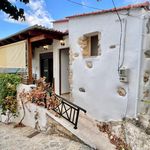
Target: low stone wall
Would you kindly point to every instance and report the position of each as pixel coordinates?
(133, 132)
(40, 118)
(137, 138)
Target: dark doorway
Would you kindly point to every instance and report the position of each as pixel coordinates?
(46, 66)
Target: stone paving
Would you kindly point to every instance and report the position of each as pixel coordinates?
(16, 139)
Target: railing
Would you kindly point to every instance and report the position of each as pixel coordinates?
(68, 110)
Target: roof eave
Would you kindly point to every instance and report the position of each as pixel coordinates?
(19, 35)
(141, 5)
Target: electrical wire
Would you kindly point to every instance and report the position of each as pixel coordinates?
(121, 28)
(120, 65)
(77, 3)
(96, 8)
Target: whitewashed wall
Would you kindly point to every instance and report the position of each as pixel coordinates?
(101, 82)
(61, 26)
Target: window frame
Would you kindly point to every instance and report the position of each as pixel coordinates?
(89, 35)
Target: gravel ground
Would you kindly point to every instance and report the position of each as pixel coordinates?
(16, 139)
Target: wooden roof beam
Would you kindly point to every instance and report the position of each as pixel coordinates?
(1, 43)
(53, 36)
(42, 43)
(6, 42)
(22, 37)
(14, 39)
(41, 37)
(33, 33)
(37, 38)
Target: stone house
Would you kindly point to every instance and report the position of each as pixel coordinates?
(96, 58)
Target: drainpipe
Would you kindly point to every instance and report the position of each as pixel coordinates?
(140, 65)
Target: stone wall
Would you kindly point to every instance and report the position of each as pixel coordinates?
(134, 132)
(137, 138)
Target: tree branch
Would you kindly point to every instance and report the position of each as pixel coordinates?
(12, 10)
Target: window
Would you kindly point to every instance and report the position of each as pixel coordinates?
(89, 44)
(94, 45)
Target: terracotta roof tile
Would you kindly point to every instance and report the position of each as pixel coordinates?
(146, 4)
(140, 5)
(61, 20)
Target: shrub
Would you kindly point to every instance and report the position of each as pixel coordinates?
(8, 94)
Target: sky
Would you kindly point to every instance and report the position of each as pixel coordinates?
(43, 12)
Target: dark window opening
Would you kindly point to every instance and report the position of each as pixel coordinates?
(94, 45)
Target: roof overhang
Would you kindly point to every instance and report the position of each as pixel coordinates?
(37, 35)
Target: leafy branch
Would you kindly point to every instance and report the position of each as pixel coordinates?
(12, 10)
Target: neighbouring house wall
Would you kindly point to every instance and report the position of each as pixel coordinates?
(101, 81)
(61, 26)
(36, 59)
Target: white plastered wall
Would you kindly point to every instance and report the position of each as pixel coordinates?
(101, 82)
(61, 26)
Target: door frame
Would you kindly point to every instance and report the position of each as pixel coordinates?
(67, 48)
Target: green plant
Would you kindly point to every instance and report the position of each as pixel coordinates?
(146, 101)
(8, 94)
